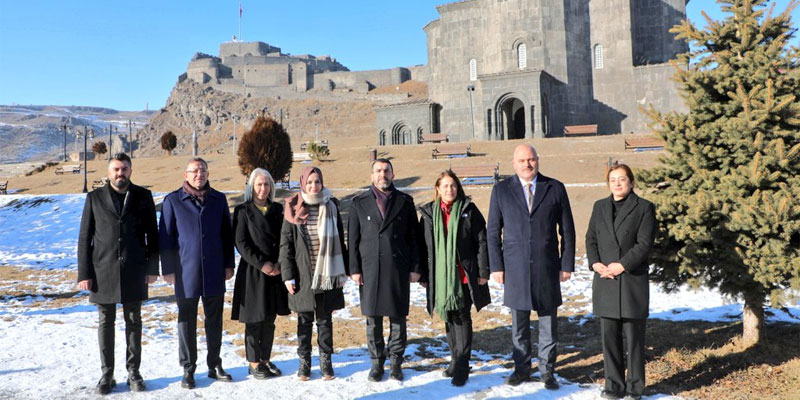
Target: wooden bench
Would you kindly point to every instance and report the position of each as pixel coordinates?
(3, 187)
(580, 130)
(477, 171)
(434, 138)
(451, 150)
(304, 145)
(66, 169)
(301, 156)
(646, 143)
(98, 183)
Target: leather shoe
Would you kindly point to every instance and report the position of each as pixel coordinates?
(459, 380)
(105, 385)
(517, 377)
(188, 380)
(450, 371)
(550, 381)
(609, 394)
(632, 397)
(259, 372)
(219, 374)
(136, 382)
(272, 369)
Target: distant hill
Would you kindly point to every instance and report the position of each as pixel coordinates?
(33, 132)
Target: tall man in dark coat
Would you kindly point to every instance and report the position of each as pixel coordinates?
(197, 257)
(383, 260)
(528, 213)
(117, 259)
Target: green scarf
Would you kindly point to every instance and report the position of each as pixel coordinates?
(448, 295)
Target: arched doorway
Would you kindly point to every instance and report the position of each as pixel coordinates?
(401, 134)
(511, 118)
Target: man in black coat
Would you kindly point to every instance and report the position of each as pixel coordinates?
(383, 260)
(117, 259)
(528, 213)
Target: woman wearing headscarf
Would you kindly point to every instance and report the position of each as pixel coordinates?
(314, 266)
(454, 233)
(259, 294)
(618, 243)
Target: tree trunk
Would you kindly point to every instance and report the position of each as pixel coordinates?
(752, 321)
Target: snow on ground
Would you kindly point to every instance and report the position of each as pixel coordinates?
(51, 352)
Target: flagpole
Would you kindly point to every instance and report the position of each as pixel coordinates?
(240, 21)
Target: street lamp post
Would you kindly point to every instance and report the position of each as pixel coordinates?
(233, 147)
(85, 158)
(130, 135)
(470, 89)
(64, 128)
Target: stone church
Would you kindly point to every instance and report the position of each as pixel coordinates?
(512, 69)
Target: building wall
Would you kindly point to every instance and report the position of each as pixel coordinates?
(405, 121)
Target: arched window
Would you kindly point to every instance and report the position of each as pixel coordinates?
(522, 56)
(473, 70)
(419, 135)
(382, 138)
(598, 56)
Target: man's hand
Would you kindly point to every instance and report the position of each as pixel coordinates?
(289, 286)
(228, 273)
(602, 269)
(565, 276)
(499, 277)
(357, 279)
(615, 269)
(85, 284)
(482, 281)
(413, 277)
(169, 278)
(151, 279)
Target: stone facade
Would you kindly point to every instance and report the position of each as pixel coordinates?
(405, 123)
(508, 69)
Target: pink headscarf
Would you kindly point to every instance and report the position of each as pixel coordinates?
(296, 210)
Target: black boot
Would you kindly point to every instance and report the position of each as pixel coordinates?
(304, 371)
(451, 369)
(376, 372)
(105, 385)
(326, 366)
(271, 368)
(396, 372)
(136, 382)
(188, 379)
(219, 374)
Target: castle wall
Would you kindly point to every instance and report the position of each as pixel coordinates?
(362, 81)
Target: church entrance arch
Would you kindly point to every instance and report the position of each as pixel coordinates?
(401, 134)
(510, 112)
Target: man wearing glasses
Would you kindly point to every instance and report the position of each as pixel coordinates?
(196, 247)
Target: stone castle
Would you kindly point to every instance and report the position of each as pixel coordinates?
(497, 70)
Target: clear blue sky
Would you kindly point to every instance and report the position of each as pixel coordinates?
(122, 54)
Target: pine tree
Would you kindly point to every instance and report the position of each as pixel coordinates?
(728, 189)
(266, 145)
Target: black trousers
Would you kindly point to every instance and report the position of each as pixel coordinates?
(258, 338)
(187, 331)
(132, 313)
(305, 321)
(397, 338)
(614, 359)
(521, 338)
(459, 334)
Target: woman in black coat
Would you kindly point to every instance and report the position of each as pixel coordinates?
(618, 242)
(314, 267)
(458, 267)
(259, 294)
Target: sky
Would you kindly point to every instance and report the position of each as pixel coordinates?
(128, 55)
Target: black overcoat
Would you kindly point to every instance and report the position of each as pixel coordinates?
(526, 244)
(471, 250)
(296, 264)
(384, 252)
(257, 236)
(116, 250)
(628, 239)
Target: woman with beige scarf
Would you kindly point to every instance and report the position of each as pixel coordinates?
(314, 267)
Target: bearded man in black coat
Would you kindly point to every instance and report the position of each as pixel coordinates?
(117, 259)
(384, 258)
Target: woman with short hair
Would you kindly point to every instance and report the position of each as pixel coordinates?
(258, 294)
(314, 266)
(454, 239)
(619, 240)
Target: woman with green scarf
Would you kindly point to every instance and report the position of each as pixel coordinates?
(454, 233)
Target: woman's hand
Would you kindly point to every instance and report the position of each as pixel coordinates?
(268, 269)
(289, 286)
(482, 281)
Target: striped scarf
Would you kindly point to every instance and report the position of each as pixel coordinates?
(329, 272)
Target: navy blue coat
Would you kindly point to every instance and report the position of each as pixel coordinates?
(526, 245)
(196, 243)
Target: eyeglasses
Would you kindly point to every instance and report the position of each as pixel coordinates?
(197, 171)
